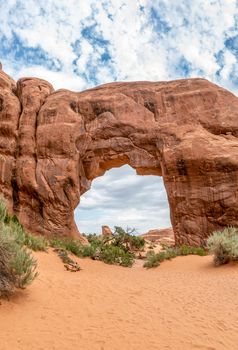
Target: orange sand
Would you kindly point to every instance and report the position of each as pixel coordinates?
(183, 304)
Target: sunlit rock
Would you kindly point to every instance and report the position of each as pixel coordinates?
(54, 143)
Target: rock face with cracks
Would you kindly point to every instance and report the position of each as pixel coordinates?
(54, 143)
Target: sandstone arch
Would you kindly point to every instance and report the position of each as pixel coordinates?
(54, 143)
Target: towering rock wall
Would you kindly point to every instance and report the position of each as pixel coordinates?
(54, 143)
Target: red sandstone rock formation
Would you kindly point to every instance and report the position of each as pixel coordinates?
(106, 231)
(165, 235)
(54, 143)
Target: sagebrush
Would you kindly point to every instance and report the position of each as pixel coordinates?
(17, 265)
(224, 245)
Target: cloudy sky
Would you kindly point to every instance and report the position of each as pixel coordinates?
(78, 44)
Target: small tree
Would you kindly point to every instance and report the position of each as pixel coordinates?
(126, 239)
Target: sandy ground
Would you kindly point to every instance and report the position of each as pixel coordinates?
(183, 304)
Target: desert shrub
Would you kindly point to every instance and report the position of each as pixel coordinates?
(56, 242)
(99, 248)
(111, 254)
(69, 263)
(17, 266)
(73, 246)
(127, 259)
(187, 250)
(126, 240)
(90, 251)
(224, 245)
(69, 244)
(19, 234)
(108, 253)
(23, 266)
(118, 249)
(76, 247)
(23, 238)
(92, 237)
(137, 242)
(3, 210)
(17, 230)
(7, 278)
(154, 259)
(36, 243)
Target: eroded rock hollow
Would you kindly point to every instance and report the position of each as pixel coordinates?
(54, 143)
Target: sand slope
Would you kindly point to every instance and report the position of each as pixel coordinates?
(183, 304)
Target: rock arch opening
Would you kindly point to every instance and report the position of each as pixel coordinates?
(122, 198)
(54, 143)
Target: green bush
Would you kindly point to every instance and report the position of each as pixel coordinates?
(73, 246)
(154, 259)
(36, 243)
(92, 237)
(90, 251)
(127, 259)
(111, 254)
(17, 230)
(137, 242)
(126, 240)
(111, 250)
(224, 245)
(56, 242)
(187, 250)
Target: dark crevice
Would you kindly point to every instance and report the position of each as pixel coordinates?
(181, 166)
(1, 104)
(15, 190)
(41, 208)
(17, 94)
(15, 187)
(66, 186)
(150, 106)
(74, 106)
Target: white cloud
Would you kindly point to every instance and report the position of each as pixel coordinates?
(59, 79)
(122, 198)
(138, 47)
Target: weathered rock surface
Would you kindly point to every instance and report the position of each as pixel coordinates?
(164, 235)
(54, 143)
(106, 231)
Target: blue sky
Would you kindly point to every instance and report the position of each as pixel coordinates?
(77, 44)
